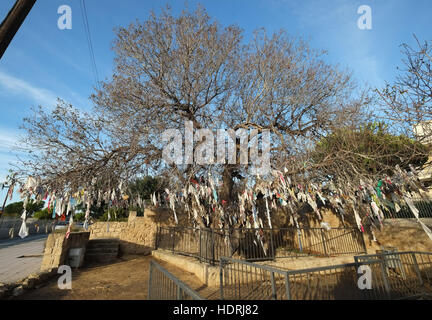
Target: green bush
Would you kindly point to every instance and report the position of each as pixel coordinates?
(44, 214)
(35, 206)
(372, 148)
(18, 207)
(139, 211)
(117, 214)
(16, 215)
(146, 186)
(95, 211)
(14, 208)
(79, 217)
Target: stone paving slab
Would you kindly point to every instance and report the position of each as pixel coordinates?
(12, 267)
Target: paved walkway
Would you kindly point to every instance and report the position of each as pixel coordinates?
(20, 257)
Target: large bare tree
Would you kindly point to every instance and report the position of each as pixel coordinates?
(408, 100)
(169, 70)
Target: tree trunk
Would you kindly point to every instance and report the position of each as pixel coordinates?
(226, 192)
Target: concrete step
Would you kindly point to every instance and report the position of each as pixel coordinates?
(99, 258)
(103, 241)
(96, 243)
(102, 250)
(102, 245)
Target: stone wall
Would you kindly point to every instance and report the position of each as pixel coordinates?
(10, 226)
(209, 275)
(137, 236)
(107, 230)
(57, 248)
(403, 234)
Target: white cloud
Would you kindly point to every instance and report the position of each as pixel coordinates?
(8, 139)
(9, 151)
(16, 86)
(10, 85)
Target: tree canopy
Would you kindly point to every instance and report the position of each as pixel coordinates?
(368, 150)
(169, 70)
(18, 207)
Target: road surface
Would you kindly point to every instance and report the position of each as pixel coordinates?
(20, 257)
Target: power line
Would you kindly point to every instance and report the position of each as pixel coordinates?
(89, 42)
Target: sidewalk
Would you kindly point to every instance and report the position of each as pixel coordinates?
(20, 257)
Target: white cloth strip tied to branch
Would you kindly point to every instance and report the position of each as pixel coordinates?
(24, 231)
(358, 219)
(153, 198)
(377, 211)
(172, 204)
(314, 206)
(268, 212)
(87, 216)
(415, 211)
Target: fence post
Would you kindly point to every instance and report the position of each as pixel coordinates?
(416, 266)
(323, 241)
(221, 279)
(200, 245)
(179, 293)
(385, 277)
(150, 281)
(287, 286)
(363, 241)
(173, 239)
(300, 242)
(212, 247)
(273, 251)
(273, 286)
(157, 237)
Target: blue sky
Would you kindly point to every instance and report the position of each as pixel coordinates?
(43, 62)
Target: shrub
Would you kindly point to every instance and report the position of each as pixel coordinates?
(44, 214)
(14, 208)
(18, 207)
(139, 211)
(79, 217)
(117, 214)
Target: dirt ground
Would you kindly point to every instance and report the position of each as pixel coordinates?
(125, 279)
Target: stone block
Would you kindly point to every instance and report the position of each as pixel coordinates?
(29, 283)
(18, 291)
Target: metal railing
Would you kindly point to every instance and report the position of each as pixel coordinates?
(423, 205)
(404, 275)
(240, 280)
(259, 244)
(163, 285)
(405, 272)
(398, 276)
(424, 263)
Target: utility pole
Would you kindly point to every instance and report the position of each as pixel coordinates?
(3, 208)
(13, 21)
